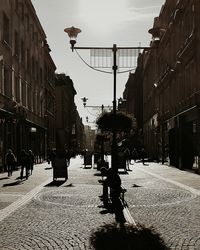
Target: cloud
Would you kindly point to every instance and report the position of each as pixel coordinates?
(142, 13)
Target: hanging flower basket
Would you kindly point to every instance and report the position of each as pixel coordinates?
(121, 122)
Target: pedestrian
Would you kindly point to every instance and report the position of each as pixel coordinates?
(127, 155)
(10, 161)
(52, 156)
(31, 161)
(68, 156)
(143, 155)
(134, 155)
(25, 163)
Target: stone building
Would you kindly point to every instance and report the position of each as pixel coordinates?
(69, 127)
(171, 86)
(26, 81)
(80, 138)
(90, 138)
(169, 74)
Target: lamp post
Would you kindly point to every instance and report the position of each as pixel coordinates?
(72, 33)
(84, 99)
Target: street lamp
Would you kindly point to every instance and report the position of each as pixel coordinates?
(72, 33)
(84, 99)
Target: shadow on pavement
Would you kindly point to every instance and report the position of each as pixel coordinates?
(98, 174)
(19, 182)
(4, 178)
(122, 172)
(55, 183)
(110, 237)
(48, 168)
(135, 186)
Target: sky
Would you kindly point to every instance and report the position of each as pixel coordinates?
(102, 23)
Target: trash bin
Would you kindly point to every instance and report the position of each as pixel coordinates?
(60, 167)
(97, 156)
(121, 161)
(88, 159)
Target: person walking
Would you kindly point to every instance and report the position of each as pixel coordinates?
(31, 161)
(24, 161)
(143, 155)
(127, 155)
(134, 155)
(51, 157)
(10, 161)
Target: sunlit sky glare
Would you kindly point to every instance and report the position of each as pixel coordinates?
(103, 23)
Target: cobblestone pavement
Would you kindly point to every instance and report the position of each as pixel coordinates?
(36, 214)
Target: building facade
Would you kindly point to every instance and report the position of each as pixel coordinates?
(24, 80)
(90, 138)
(68, 123)
(171, 86)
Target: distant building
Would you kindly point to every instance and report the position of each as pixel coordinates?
(90, 138)
(80, 134)
(26, 81)
(69, 127)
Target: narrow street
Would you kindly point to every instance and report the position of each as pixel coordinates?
(39, 214)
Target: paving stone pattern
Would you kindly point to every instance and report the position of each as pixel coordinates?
(63, 217)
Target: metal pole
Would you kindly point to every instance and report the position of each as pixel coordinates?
(114, 163)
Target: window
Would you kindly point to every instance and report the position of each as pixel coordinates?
(27, 22)
(36, 36)
(22, 51)
(22, 12)
(34, 102)
(33, 66)
(1, 76)
(29, 95)
(24, 93)
(32, 32)
(27, 59)
(7, 81)
(17, 89)
(16, 5)
(40, 80)
(6, 29)
(16, 48)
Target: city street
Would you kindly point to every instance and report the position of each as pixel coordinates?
(41, 214)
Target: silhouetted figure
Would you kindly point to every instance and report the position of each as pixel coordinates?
(10, 161)
(113, 182)
(52, 156)
(134, 155)
(31, 161)
(143, 155)
(68, 156)
(127, 155)
(24, 162)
